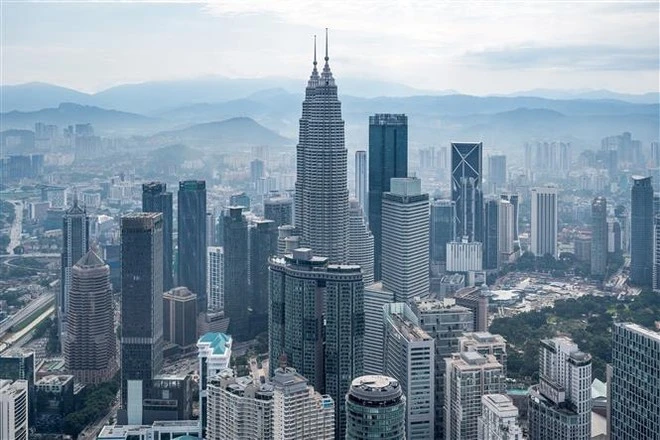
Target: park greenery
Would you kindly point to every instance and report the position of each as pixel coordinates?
(95, 403)
(587, 320)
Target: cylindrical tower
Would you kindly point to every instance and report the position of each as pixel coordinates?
(375, 408)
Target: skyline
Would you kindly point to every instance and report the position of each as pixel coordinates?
(429, 47)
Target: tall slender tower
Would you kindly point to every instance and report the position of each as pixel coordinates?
(156, 198)
(599, 237)
(192, 239)
(361, 180)
(388, 158)
(641, 231)
(321, 183)
(360, 243)
(466, 191)
(235, 272)
(141, 304)
(544, 221)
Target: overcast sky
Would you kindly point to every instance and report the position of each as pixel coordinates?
(481, 47)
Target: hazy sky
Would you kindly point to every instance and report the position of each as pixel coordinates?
(480, 47)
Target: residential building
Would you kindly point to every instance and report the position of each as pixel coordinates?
(506, 231)
(156, 198)
(469, 375)
(192, 239)
(235, 272)
(90, 349)
(476, 300)
(514, 199)
(180, 317)
(544, 221)
(484, 343)
(641, 229)
(362, 181)
(634, 400)
(405, 239)
(388, 158)
(409, 354)
(279, 210)
(466, 189)
(599, 237)
(375, 298)
(214, 354)
(215, 280)
(498, 419)
(14, 409)
(375, 408)
(360, 242)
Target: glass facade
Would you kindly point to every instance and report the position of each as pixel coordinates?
(641, 231)
(466, 189)
(192, 239)
(235, 272)
(156, 198)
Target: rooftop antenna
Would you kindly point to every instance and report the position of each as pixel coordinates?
(326, 46)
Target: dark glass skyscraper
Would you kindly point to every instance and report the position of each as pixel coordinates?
(466, 192)
(599, 237)
(388, 158)
(443, 228)
(490, 240)
(156, 198)
(192, 239)
(263, 245)
(641, 232)
(141, 299)
(235, 270)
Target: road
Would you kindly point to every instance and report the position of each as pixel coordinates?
(16, 228)
(25, 312)
(91, 431)
(17, 339)
(34, 255)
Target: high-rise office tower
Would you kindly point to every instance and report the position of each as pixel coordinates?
(180, 317)
(75, 244)
(470, 375)
(498, 419)
(445, 322)
(211, 229)
(263, 245)
(622, 217)
(215, 280)
(491, 235)
(388, 158)
(192, 239)
(505, 231)
(634, 402)
(90, 349)
(299, 411)
(141, 305)
(641, 231)
(466, 192)
(656, 253)
(360, 242)
(214, 353)
(544, 221)
(443, 228)
(599, 237)
(17, 364)
(256, 170)
(235, 272)
(514, 199)
(362, 181)
(375, 408)
(375, 297)
(240, 199)
(409, 354)
(496, 171)
(325, 348)
(279, 210)
(560, 405)
(405, 239)
(484, 343)
(14, 409)
(156, 198)
(321, 165)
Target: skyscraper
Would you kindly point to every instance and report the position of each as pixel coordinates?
(514, 200)
(466, 191)
(263, 245)
(141, 304)
(641, 231)
(180, 317)
(498, 419)
(362, 181)
(634, 402)
(360, 242)
(192, 239)
(214, 353)
(544, 221)
(656, 253)
(326, 349)
(491, 235)
(469, 375)
(215, 280)
(321, 164)
(409, 354)
(375, 408)
(599, 237)
(279, 210)
(405, 239)
(90, 349)
(388, 158)
(75, 244)
(443, 228)
(14, 409)
(505, 231)
(235, 272)
(560, 405)
(496, 171)
(375, 297)
(156, 198)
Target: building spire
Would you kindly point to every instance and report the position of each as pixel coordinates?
(326, 47)
(315, 51)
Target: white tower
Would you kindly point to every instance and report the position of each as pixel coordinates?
(361, 180)
(544, 221)
(360, 242)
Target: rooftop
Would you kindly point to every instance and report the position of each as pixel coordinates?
(408, 329)
(218, 342)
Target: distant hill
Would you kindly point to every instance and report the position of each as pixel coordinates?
(230, 133)
(35, 96)
(104, 121)
(643, 98)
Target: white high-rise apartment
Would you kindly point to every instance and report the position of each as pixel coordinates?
(505, 232)
(498, 420)
(214, 353)
(560, 405)
(360, 242)
(298, 410)
(409, 354)
(14, 409)
(375, 297)
(362, 180)
(405, 236)
(544, 221)
(469, 375)
(215, 280)
(321, 198)
(484, 343)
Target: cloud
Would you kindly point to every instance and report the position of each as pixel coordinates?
(578, 57)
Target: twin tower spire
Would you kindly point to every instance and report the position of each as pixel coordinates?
(326, 67)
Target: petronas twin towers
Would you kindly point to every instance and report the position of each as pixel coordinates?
(321, 200)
